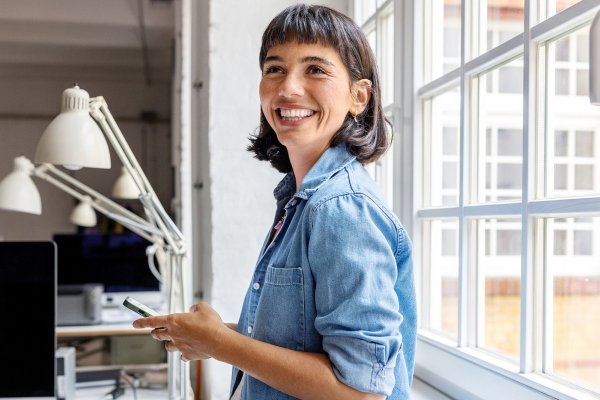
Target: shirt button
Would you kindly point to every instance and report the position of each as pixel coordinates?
(249, 330)
(256, 286)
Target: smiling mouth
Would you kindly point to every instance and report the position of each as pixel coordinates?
(294, 114)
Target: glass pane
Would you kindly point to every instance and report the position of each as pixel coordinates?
(556, 6)
(510, 142)
(584, 177)
(573, 124)
(442, 149)
(562, 49)
(562, 81)
(364, 9)
(442, 51)
(561, 177)
(372, 38)
(574, 296)
(583, 82)
(441, 258)
(386, 58)
(505, 20)
(584, 143)
(500, 141)
(450, 141)
(510, 80)
(561, 142)
(499, 265)
(583, 48)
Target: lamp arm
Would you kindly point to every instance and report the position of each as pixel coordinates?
(100, 112)
(99, 197)
(119, 213)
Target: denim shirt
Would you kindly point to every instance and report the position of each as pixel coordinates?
(336, 279)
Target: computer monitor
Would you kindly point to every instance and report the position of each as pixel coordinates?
(28, 309)
(117, 261)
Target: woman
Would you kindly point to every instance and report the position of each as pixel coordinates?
(330, 313)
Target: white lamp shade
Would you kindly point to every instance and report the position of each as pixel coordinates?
(83, 214)
(73, 138)
(125, 187)
(17, 190)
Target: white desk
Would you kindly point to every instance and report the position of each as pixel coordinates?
(99, 330)
(99, 393)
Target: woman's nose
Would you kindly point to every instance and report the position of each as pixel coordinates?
(291, 86)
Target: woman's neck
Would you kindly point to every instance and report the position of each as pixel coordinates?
(303, 160)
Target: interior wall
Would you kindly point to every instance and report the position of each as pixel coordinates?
(237, 204)
(31, 101)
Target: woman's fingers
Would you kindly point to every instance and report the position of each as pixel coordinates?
(150, 322)
(161, 334)
(170, 346)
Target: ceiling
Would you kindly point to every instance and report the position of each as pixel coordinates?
(116, 39)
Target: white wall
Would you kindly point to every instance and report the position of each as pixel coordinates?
(235, 206)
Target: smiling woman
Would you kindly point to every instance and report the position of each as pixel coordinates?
(330, 312)
(306, 94)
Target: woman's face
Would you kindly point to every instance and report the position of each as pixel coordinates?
(305, 94)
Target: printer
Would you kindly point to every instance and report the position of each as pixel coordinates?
(79, 304)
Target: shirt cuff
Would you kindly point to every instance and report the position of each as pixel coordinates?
(360, 364)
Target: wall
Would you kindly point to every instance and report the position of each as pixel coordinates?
(236, 205)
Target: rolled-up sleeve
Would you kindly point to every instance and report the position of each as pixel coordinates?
(352, 255)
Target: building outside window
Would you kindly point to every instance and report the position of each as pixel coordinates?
(506, 181)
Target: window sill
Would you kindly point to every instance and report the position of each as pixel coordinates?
(466, 374)
(422, 391)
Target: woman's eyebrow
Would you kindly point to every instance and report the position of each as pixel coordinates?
(307, 59)
(272, 58)
(317, 59)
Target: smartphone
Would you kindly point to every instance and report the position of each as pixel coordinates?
(139, 308)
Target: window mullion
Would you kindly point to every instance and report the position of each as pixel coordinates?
(529, 337)
(465, 315)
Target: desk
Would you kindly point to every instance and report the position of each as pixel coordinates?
(99, 330)
(99, 393)
(111, 344)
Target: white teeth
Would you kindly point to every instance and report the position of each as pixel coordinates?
(295, 113)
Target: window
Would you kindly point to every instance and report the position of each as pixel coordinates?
(506, 183)
(376, 18)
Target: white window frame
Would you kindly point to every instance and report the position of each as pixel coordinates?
(457, 368)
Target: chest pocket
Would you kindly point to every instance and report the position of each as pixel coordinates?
(280, 312)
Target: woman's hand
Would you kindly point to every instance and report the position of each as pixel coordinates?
(195, 334)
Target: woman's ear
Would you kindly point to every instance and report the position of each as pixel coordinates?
(361, 94)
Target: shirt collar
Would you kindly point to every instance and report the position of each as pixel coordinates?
(332, 161)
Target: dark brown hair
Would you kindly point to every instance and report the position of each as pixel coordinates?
(368, 137)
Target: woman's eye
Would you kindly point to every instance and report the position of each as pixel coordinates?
(271, 70)
(315, 70)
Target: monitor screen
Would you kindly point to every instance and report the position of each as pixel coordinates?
(117, 261)
(27, 306)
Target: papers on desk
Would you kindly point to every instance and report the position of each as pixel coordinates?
(121, 315)
(117, 315)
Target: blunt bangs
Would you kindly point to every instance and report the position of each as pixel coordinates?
(306, 25)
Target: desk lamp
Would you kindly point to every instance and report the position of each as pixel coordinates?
(76, 138)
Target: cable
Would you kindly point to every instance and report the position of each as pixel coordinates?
(131, 380)
(150, 252)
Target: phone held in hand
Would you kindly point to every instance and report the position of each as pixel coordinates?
(139, 308)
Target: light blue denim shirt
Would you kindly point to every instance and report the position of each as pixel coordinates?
(337, 279)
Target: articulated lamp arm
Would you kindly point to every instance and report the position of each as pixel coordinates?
(99, 202)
